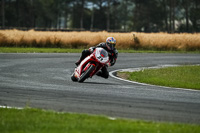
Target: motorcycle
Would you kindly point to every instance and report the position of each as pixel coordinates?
(90, 65)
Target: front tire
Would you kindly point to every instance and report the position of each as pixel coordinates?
(86, 74)
(73, 78)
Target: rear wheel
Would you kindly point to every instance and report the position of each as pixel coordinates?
(86, 74)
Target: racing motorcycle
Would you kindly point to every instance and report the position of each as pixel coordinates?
(90, 65)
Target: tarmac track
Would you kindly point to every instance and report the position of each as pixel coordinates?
(43, 81)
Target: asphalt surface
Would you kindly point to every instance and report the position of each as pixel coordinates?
(43, 81)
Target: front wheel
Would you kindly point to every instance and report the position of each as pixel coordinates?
(73, 78)
(86, 74)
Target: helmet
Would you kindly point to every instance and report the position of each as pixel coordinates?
(110, 43)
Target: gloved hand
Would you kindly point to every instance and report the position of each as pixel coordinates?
(108, 64)
(91, 49)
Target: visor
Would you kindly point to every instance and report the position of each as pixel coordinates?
(111, 45)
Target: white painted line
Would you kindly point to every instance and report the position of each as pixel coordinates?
(145, 84)
(112, 118)
(9, 107)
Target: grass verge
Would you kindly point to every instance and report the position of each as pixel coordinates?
(36, 120)
(37, 50)
(180, 76)
(68, 50)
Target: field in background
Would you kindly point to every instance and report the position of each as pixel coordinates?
(144, 41)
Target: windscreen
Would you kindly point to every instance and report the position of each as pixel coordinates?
(103, 53)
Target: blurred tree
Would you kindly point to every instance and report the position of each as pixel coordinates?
(80, 14)
(186, 6)
(165, 13)
(108, 15)
(115, 17)
(124, 14)
(195, 15)
(3, 13)
(148, 16)
(100, 14)
(111, 15)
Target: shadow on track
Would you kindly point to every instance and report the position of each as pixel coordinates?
(98, 83)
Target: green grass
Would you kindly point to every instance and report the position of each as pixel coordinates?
(180, 77)
(39, 121)
(38, 50)
(68, 50)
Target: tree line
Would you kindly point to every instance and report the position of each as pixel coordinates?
(111, 15)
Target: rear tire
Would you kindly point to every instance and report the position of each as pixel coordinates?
(86, 74)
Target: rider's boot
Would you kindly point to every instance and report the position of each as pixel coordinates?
(84, 54)
(78, 62)
(99, 73)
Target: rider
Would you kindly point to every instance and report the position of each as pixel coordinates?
(109, 46)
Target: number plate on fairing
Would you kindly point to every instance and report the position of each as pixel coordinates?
(101, 55)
